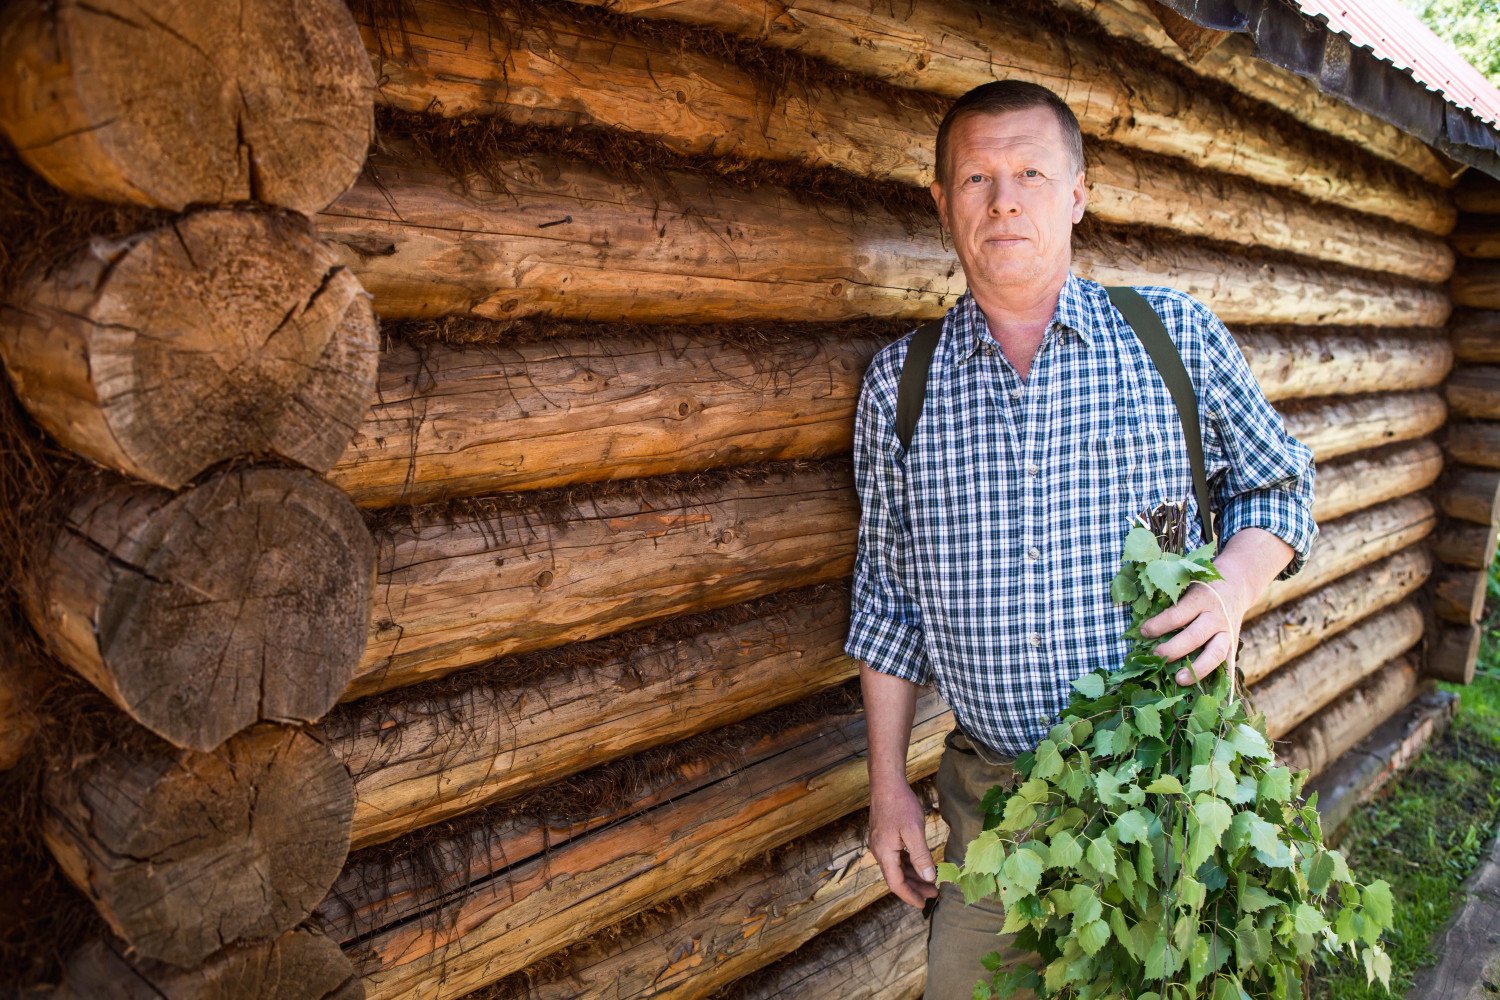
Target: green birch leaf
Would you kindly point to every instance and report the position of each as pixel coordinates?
(1090, 685)
(1307, 919)
(1170, 576)
(1049, 762)
(1064, 851)
(1167, 784)
(1249, 743)
(985, 853)
(1024, 871)
(1131, 827)
(1377, 902)
(1101, 856)
(1254, 899)
(1148, 720)
(1092, 936)
(1141, 545)
(1275, 785)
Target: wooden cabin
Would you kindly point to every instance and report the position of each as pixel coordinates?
(427, 507)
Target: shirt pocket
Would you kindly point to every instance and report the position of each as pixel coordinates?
(1134, 468)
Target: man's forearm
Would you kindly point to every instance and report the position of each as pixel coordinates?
(890, 706)
(1250, 561)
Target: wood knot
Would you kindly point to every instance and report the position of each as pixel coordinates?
(544, 578)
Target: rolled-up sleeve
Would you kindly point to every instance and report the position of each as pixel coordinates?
(1262, 476)
(885, 623)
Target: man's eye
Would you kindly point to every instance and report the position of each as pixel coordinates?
(975, 178)
(1031, 172)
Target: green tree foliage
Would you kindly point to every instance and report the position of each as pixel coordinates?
(1470, 26)
(1152, 848)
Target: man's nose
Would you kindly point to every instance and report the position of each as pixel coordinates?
(1004, 198)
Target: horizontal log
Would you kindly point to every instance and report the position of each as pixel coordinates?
(1355, 482)
(1463, 543)
(1453, 653)
(184, 853)
(1277, 637)
(299, 965)
(1337, 426)
(880, 954)
(710, 251)
(1474, 391)
(225, 333)
(1325, 737)
(505, 923)
(390, 885)
(1297, 690)
(1304, 362)
(951, 47)
(1458, 594)
(190, 611)
(465, 421)
(1234, 61)
(437, 56)
(462, 421)
(190, 104)
(1477, 236)
(457, 590)
(735, 926)
(1470, 494)
(430, 756)
(1473, 442)
(1476, 283)
(1477, 192)
(1476, 335)
(1350, 542)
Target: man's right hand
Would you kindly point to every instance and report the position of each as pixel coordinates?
(898, 839)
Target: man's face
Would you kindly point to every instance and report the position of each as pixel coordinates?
(1012, 197)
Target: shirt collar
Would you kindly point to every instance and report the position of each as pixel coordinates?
(1077, 311)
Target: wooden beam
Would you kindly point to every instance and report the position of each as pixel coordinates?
(1474, 391)
(1458, 595)
(1477, 236)
(547, 67)
(225, 333)
(192, 104)
(199, 613)
(1337, 426)
(1476, 283)
(736, 926)
(1351, 542)
(433, 755)
(1362, 480)
(950, 47)
(1463, 543)
(1282, 634)
(1297, 690)
(1325, 737)
(184, 853)
(1453, 653)
(1470, 494)
(1477, 192)
(462, 421)
(1235, 62)
(714, 252)
(1473, 442)
(458, 589)
(301, 964)
(510, 921)
(1476, 335)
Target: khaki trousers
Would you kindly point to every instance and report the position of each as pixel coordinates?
(959, 935)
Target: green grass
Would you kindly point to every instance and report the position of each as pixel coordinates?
(1431, 826)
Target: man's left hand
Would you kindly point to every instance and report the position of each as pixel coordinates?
(1206, 624)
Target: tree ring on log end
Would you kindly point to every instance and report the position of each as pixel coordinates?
(244, 598)
(226, 333)
(299, 965)
(185, 853)
(171, 105)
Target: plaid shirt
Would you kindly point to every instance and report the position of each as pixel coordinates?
(986, 553)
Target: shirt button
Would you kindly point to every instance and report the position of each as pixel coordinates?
(1015, 394)
(1032, 469)
(1035, 638)
(1033, 553)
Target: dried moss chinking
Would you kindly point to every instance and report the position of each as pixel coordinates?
(1152, 848)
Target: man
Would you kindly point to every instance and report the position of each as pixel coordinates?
(986, 550)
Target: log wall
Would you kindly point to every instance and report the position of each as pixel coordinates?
(538, 608)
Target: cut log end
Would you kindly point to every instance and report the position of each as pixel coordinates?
(245, 598)
(185, 853)
(299, 965)
(185, 104)
(226, 333)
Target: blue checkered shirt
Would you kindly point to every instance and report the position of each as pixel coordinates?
(986, 552)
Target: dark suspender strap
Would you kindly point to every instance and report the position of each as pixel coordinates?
(912, 392)
(1164, 354)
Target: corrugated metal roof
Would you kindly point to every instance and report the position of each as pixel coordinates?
(1394, 33)
(1377, 56)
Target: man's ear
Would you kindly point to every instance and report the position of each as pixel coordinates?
(1080, 198)
(940, 197)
